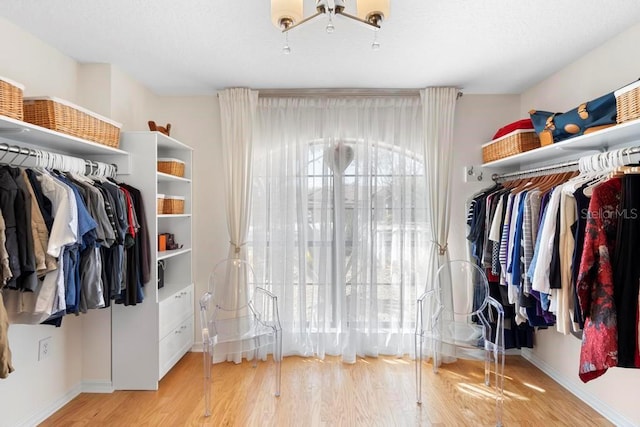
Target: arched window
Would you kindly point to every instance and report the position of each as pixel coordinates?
(339, 233)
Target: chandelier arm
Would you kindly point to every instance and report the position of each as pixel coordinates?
(307, 19)
(355, 18)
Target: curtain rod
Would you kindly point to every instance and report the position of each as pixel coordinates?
(572, 163)
(35, 153)
(289, 93)
(286, 93)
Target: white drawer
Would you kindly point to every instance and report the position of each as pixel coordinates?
(175, 345)
(174, 309)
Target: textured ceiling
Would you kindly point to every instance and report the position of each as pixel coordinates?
(197, 46)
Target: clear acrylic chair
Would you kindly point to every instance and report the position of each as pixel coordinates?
(472, 329)
(238, 317)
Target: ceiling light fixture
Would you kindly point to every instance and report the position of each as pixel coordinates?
(288, 14)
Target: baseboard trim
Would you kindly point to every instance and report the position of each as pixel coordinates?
(573, 386)
(45, 413)
(97, 387)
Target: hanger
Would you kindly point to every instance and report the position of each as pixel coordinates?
(5, 148)
(10, 162)
(26, 156)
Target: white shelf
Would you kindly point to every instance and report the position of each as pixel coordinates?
(163, 141)
(614, 137)
(165, 177)
(16, 131)
(172, 253)
(174, 216)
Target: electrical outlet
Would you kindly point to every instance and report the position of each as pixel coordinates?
(44, 348)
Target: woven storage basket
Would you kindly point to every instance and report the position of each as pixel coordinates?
(512, 143)
(65, 117)
(11, 99)
(173, 205)
(171, 166)
(628, 102)
(160, 204)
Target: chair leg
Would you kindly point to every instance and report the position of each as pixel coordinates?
(207, 362)
(487, 367)
(418, 347)
(278, 360)
(499, 367)
(256, 344)
(435, 349)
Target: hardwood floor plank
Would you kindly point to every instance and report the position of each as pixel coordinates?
(371, 392)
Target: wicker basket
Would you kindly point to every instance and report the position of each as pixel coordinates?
(160, 204)
(628, 102)
(65, 117)
(11, 99)
(512, 143)
(173, 205)
(171, 166)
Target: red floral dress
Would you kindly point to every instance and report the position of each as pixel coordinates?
(599, 349)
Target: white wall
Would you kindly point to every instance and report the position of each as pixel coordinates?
(606, 68)
(41, 68)
(477, 118)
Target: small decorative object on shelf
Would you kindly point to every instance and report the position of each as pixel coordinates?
(592, 116)
(162, 129)
(169, 242)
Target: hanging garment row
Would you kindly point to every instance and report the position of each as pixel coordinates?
(70, 240)
(562, 246)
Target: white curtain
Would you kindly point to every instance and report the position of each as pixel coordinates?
(237, 111)
(339, 228)
(438, 111)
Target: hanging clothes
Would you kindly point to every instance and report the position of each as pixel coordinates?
(599, 350)
(627, 272)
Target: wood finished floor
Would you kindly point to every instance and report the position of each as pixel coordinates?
(371, 392)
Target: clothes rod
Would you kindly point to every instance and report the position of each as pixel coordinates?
(503, 176)
(28, 152)
(574, 163)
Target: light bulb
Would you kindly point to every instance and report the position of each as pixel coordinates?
(375, 45)
(330, 27)
(286, 49)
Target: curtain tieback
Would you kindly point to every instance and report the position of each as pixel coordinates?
(236, 246)
(442, 249)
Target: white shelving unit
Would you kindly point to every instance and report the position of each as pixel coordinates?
(27, 135)
(150, 338)
(618, 136)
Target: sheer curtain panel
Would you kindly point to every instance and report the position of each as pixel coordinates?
(339, 228)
